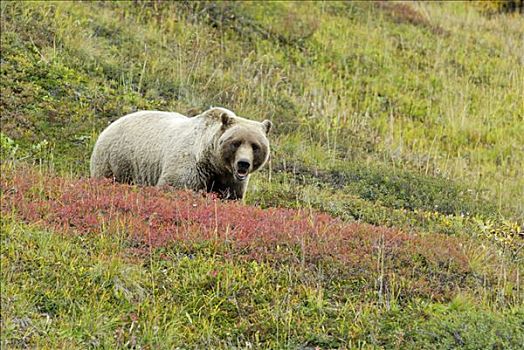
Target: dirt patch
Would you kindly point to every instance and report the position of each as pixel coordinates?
(405, 13)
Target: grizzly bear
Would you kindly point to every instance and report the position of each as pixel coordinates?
(215, 151)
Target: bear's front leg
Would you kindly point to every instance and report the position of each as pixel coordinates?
(228, 189)
(238, 189)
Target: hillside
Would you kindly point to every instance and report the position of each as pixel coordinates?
(390, 215)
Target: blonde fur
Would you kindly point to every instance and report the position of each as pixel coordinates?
(167, 148)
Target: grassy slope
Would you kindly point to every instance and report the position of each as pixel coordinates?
(78, 293)
(341, 81)
(369, 105)
(163, 269)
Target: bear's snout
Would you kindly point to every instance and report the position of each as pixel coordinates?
(242, 169)
(243, 164)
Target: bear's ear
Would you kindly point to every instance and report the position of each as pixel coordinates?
(220, 115)
(226, 120)
(267, 125)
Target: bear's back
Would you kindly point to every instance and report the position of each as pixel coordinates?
(158, 118)
(149, 125)
(133, 148)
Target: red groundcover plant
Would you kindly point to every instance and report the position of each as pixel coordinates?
(162, 217)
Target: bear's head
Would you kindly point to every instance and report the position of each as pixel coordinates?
(243, 146)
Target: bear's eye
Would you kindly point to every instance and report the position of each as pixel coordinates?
(255, 147)
(236, 144)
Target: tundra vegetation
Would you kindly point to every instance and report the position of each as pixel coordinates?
(390, 215)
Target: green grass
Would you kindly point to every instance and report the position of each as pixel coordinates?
(64, 291)
(405, 115)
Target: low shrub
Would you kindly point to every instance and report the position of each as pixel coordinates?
(433, 266)
(398, 188)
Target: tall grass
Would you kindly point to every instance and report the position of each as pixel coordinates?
(342, 82)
